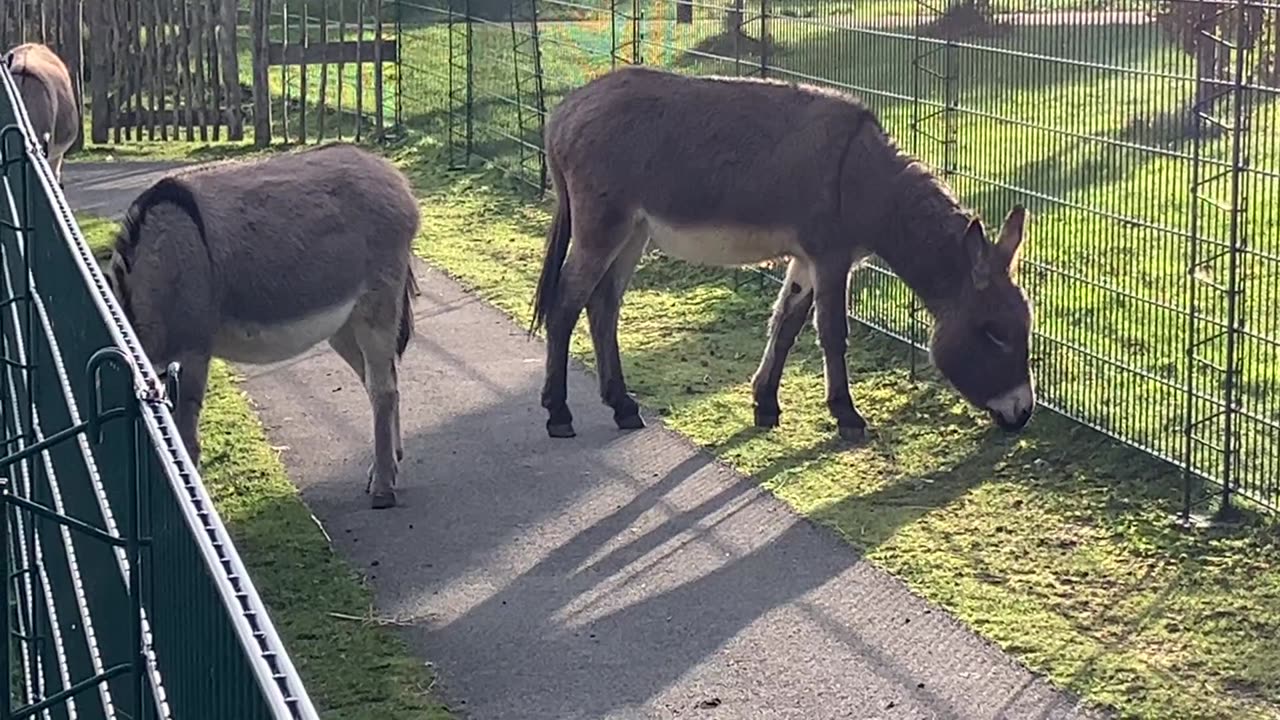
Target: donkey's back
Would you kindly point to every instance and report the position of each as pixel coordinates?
(256, 262)
(709, 150)
(294, 234)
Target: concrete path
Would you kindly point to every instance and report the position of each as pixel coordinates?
(612, 575)
(106, 188)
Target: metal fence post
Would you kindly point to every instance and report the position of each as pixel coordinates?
(540, 98)
(471, 83)
(1239, 163)
(948, 77)
(1216, 430)
(399, 29)
(637, 33)
(764, 38)
(6, 671)
(613, 34)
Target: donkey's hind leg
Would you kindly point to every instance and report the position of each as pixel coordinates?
(586, 263)
(344, 343)
(377, 343)
(192, 381)
(602, 313)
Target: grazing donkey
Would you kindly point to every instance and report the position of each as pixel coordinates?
(256, 262)
(45, 86)
(725, 171)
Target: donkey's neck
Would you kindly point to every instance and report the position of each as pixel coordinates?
(922, 241)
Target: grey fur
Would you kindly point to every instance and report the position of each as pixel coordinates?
(258, 261)
(728, 171)
(45, 85)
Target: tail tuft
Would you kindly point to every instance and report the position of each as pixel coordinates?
(557, 248)
(406, 312)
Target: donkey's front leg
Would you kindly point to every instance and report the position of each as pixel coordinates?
(831, 291)
(192, 381)
(789, 314)
(384, 395)
(377, 342)
(602, 315)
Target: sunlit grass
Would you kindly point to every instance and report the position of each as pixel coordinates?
(1059, 545)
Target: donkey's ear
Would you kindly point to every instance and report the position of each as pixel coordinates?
(979, 251)
(1012, 232)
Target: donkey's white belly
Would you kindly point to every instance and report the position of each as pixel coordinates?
(723, 245)
(262, 343)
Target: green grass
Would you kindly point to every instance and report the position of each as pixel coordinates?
(353, 669)
(1058, 545)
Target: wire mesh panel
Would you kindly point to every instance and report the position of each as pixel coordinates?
(431, 75)
(124, 597)
(1142, 136)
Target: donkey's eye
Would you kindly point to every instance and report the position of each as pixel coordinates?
(995, 337)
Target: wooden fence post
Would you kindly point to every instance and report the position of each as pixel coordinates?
(100, 74)
(73, 53)
(261, 89)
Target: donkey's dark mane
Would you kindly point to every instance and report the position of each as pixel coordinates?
(926, 202)
(923, 242)
(167, 190)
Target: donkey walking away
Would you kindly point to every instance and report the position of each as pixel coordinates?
(731, 172)
(257, 262)
(45, 86)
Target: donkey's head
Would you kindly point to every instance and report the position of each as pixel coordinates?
(981, 343)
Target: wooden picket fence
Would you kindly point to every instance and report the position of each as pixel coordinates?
(172, 69)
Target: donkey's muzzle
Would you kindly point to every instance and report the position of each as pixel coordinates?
(1014, 424)
(1012, 410)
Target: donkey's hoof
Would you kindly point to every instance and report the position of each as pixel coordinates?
(767, 419)
(852, 433)
(561, 430)
(383, 500)
(630, 422)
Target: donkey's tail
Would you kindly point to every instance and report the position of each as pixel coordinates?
(553, 257)
(406, 312)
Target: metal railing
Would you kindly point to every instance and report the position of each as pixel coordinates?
(1143, 136)
(124, 596)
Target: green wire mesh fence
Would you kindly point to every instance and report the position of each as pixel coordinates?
(123, 594)
(1144, 137)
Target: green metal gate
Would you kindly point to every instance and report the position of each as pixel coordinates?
(124, 595)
